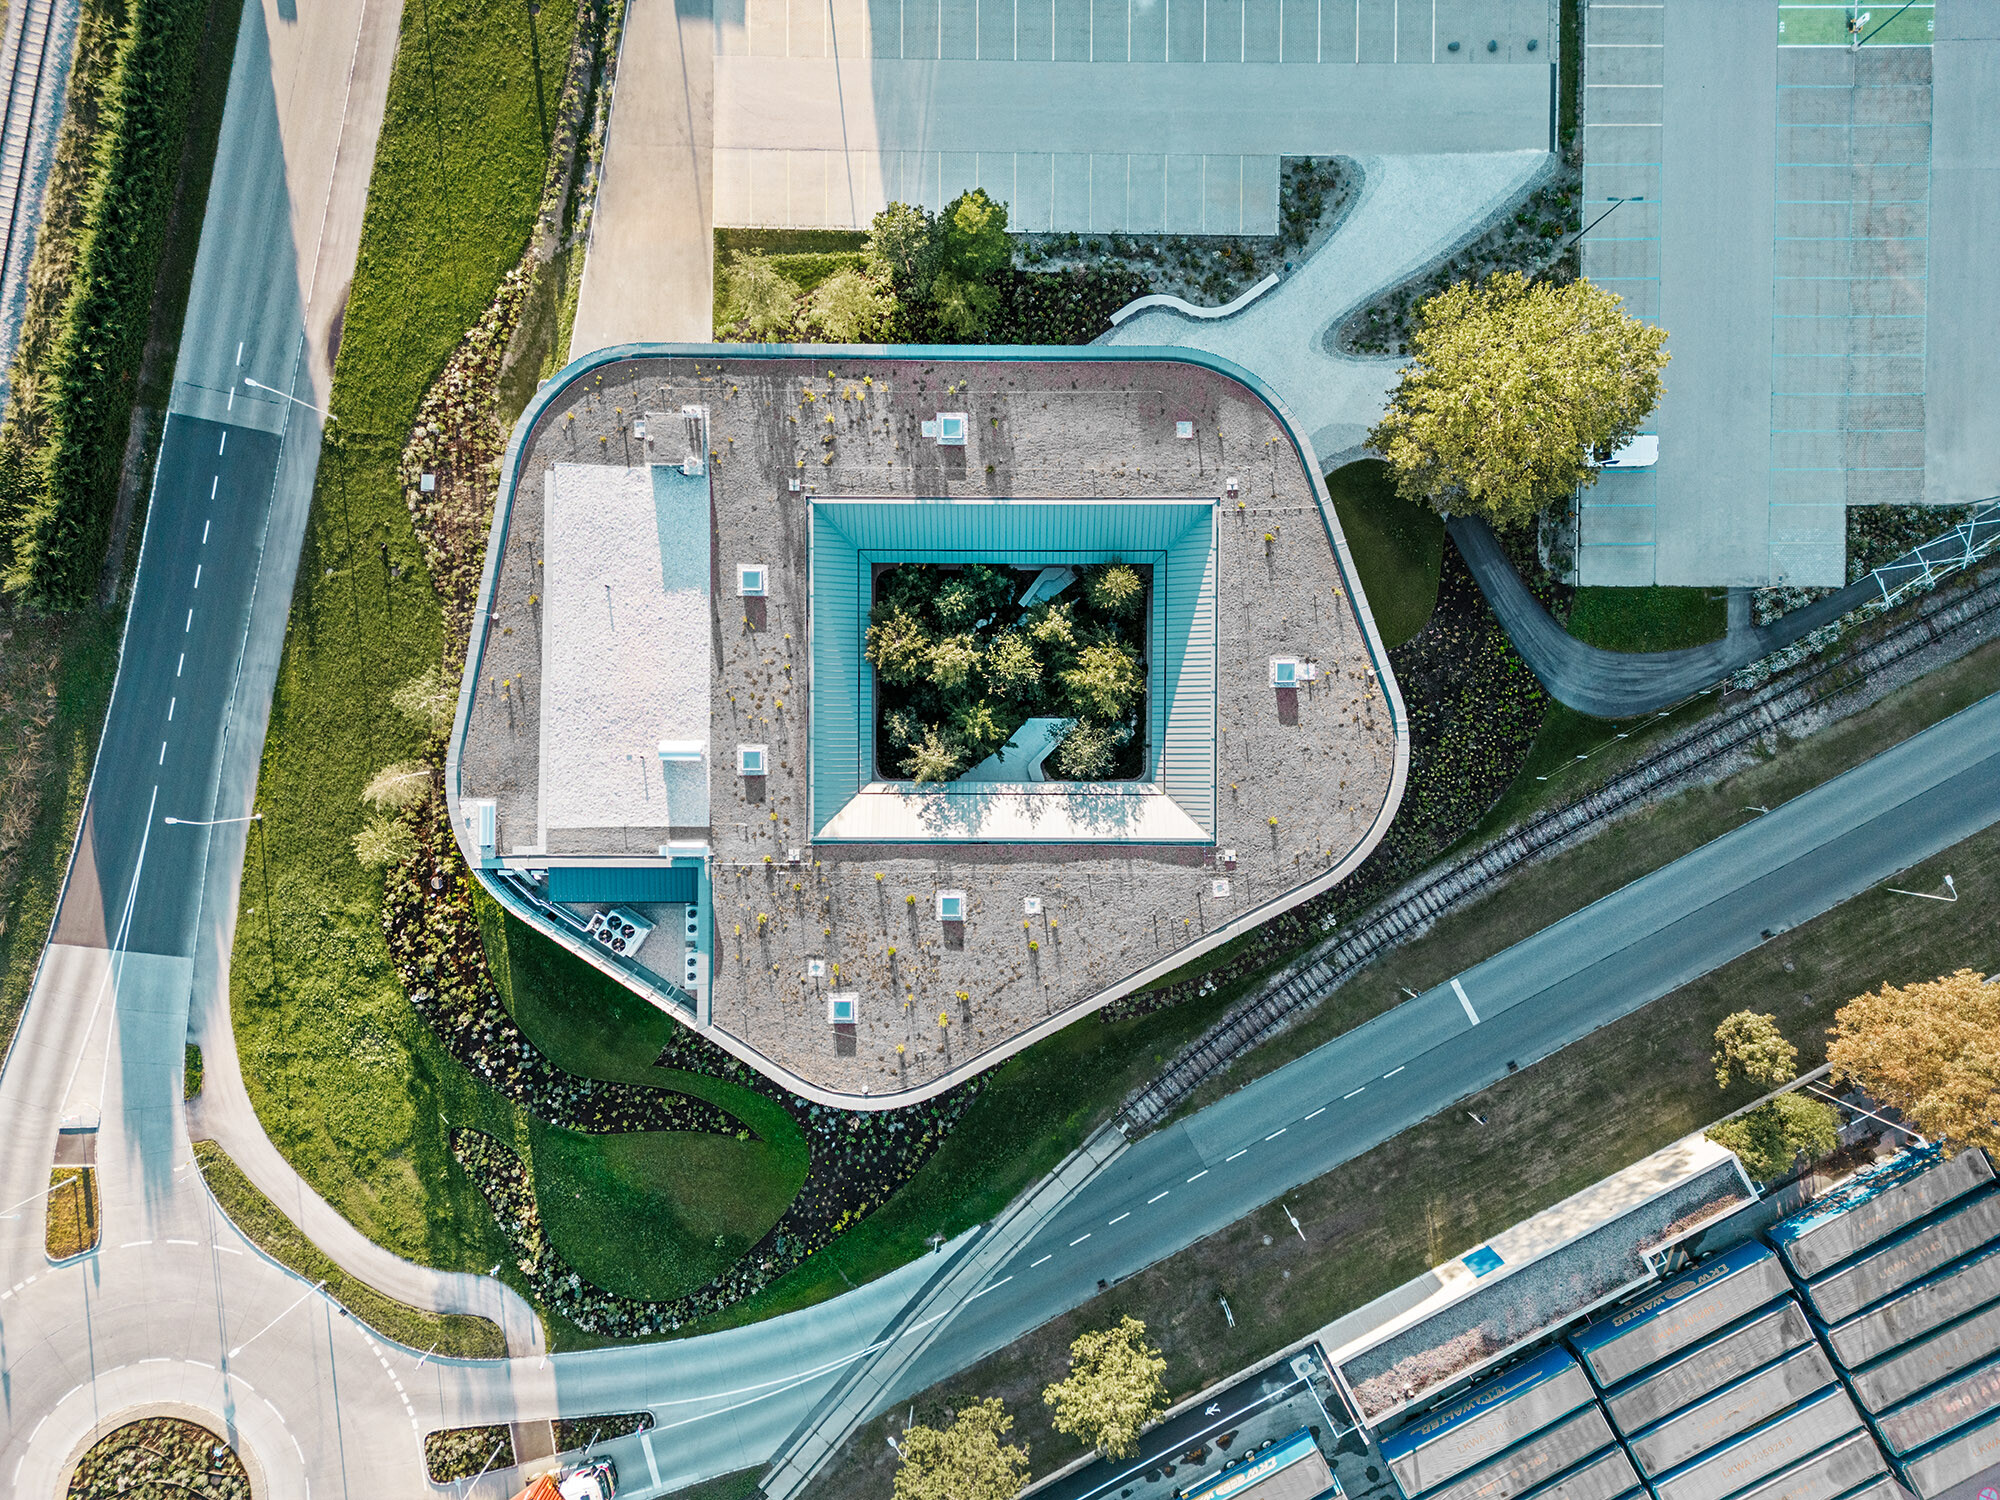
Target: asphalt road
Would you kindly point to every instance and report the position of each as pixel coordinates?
(1639, 943)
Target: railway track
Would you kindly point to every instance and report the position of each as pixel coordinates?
(34, 66)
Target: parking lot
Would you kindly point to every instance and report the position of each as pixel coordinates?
(1143, 116)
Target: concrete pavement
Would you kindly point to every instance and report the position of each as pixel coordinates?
(1411, 211)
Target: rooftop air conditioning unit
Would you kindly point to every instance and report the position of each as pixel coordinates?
(696, 418)
(621, 931)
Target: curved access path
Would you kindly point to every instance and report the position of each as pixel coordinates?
(1412, 212)
(1623, 684)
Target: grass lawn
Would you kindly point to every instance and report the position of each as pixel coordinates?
(1649, 619)
(1445, 1185)
(262, 1222)
(1570, 881)
(347, 1079)
(804, 269)
(72, 1224)
(1398, 547)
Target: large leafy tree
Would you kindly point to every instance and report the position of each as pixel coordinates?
(1931, 1052)
(965, 1461)
(1753, 1044)
(761, 299)
(1113, 1389)
(1515, 387)
(1771, 1137)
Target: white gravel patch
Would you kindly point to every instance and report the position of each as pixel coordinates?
(625, 656)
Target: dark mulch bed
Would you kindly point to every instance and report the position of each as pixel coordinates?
(156, 1458)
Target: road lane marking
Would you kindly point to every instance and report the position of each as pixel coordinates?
(1350, 1096)
(204, 527)
(134, 1244)
(1228, 1159)
(1033, 1263)
(239, 352)
(190, 623)
(1156, 1198)
(1078, 1241)
(1394, 1071)
(170, 709)
(1315, 1114)
(163, 752)
(197, 575)
(181, 665)
(223, 444)
(985, 1289)
(183, 1242)
(1278, 1132)
(1202, 1173)
(1470, 1014)
(213, 484)
(1126, 1215)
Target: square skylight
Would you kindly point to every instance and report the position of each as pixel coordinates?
(751, 759)
(951, 906)
(951, 429)
(1184, 430)
(1289, 671)
(842, 1007)
(752, 580)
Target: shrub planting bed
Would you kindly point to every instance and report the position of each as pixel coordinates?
(455, 1453)
(159, 1458)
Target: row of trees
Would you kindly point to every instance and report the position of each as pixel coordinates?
(63, 449)
(922, 276)
(1112, 1391)
(1929, 1052)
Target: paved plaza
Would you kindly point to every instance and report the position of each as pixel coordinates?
(1785, 238)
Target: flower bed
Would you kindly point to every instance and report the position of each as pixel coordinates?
(160, 1457)
(455, 1453)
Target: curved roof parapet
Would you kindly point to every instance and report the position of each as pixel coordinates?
(665, 754)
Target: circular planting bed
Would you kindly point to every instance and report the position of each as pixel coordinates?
(158, 1457)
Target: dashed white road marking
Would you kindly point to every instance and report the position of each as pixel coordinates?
(1395, 1070)
(1316, 1113)
(170, 709)
(1126, 1215)
(197, 575)
(1459, 990)
(1199, 1175)
(1278, 1132)
(1033, 1263)
(985, 1289)
(1228, 1159)
(223, 444)
(1156, 1198)
(1078, 1240)
(134, 1244)
(181, 665)
(163, 752)
(190, 623)
(1356, 1091)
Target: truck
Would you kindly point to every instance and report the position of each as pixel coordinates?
(593, 1479)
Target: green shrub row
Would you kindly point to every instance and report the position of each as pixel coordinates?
(72, 485)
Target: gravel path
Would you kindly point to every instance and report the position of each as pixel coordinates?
(1413, 211)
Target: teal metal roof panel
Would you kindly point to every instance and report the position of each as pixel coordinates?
(1186, 671)
(977, 528)
(843, 685)
(644, 884)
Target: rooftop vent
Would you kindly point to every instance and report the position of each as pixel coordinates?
(1031, 905)
(696, 420)
(1289, 671)
(751, 759)
(680, 750)
(481, 832)
(1184, 430)
(752, 580)
(815, 968)
(951, 906)
(948, 429)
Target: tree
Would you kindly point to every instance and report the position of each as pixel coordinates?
(1754, 1044)
(1770, 1137)
(934, 757)
(1515, 386)
(1931, 1052)
(848, 308)
(384, 841)
(952, 661)
(1086, 752)
(759, 297)
(427, 700)
(1113, 1389)
(1011, 667)
(397, 786)
(1116, 590)
(1105, 682)
(973, 235)
(966, 1461)
(900, 647)
(903, 248)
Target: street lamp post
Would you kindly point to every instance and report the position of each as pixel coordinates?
(1615, 202)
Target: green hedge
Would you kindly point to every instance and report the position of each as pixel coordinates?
(93, 369)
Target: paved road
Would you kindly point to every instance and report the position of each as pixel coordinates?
(1642, 942)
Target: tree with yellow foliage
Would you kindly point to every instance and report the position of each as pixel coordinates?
(1931, 1052)
(1113, 1388)
(1517, 387)
(966, 1461)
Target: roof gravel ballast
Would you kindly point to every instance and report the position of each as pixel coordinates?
(910, 753)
